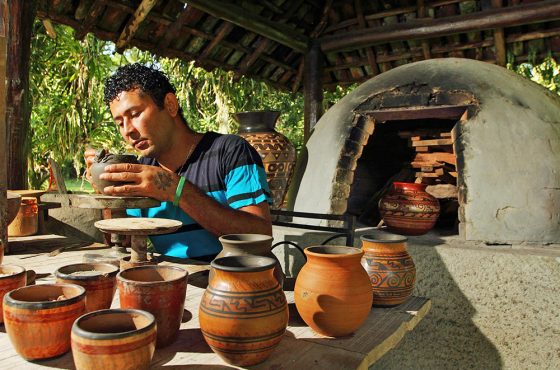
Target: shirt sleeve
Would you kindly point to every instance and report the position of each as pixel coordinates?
(245, 178)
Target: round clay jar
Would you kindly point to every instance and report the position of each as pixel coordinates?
(102, 160)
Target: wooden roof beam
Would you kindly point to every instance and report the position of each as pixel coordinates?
(278, 32)
(173, 31)
(499, 40)
(94, 12)
(369, 51)
(425, 43)
(223, 30)
(132, 25)
(423, 29)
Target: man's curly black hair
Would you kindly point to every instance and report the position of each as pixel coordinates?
(150, 81)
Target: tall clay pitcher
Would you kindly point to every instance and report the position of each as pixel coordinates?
(389, 266)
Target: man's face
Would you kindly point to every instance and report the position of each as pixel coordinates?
(142, 123)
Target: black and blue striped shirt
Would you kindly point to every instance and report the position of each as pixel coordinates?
(228, 170)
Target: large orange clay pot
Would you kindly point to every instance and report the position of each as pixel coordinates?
(161, 291)
(39, 318)
(277, 152)
(408, 209)
(243, 313)
(389, 266)
(99, 280)
(11, 277)
(249, 245)
(114, 339)
(333, 292)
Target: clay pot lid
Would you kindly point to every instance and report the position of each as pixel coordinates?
(103, 318)
(379, 236)
(243, 263)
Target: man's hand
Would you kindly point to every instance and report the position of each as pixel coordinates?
(89, 156)
(142, 180)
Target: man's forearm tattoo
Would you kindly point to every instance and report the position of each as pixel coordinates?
(163, 180)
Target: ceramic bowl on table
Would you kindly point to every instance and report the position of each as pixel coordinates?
(114, 339)
(99, 280)
(11, 277)
(39, 318)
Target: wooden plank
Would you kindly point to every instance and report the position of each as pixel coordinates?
(422, 149)
(400, 114)
(433, 142)
(300, 348)
(436, 157)
(4, 17)
(134, 23)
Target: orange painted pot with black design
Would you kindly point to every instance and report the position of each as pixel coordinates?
(39, 318)
(114, 339)
(243, 313)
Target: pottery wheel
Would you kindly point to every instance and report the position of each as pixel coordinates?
(138, 226)
(99, 201)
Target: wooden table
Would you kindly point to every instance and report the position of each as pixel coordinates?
(299, 349)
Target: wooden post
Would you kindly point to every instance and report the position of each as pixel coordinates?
(499, 40)
(312, 88)
(18, 104)
(4, 16)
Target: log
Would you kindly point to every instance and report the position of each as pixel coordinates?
(432, 142)
(428, 28)
(134, 23)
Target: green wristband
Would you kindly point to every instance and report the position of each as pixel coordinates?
(179, 191)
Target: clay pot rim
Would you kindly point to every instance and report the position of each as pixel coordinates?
(251, 238)
(323, 251)
(410, 185)
(41, 305)
(17, 274)
(378, 236)
(248, 263)
(76, 329)
(66, 275)
(152, 267)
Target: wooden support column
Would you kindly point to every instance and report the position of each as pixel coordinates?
(425, 44)
(18, 103)
(4, 16)
(369, 51)
(499, 40)
(312, 88)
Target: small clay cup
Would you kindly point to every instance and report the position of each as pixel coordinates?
(161, 291)
(39, 318)
(99, 280)
(114, 339)
(102, 160)
(11, 277)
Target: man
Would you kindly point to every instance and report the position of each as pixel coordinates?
(224, 190)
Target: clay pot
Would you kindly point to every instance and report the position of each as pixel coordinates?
(99, 280)
(249, 245)
(11, 277)
(277, 153)
(114, 339)
(333, 292)
(39, 318)
(243, 313)
(161, 291)
(14, 201)
(103, 159)
(408, 209)
(389, 266)
(26, 221)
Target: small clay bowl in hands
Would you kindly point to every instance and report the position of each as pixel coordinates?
(102, 160)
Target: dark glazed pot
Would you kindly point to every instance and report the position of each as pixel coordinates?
(11, 277)
(161, 291)
(390, 268)
(408, 209)
(99, 280)
(333, 292)
(102, 160)
(249, 245)
(114, 339)
(243, 313)
(277, 153)
(39, 318)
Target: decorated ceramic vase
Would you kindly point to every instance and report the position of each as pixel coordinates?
(390, 268)
(408, 209)
(333, 293)
(102, 159)
(243, 313)
(249, 245)
(277, 153)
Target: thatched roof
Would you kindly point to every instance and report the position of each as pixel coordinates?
(268, 39)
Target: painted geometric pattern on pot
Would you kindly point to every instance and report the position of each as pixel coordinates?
(241, 305)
